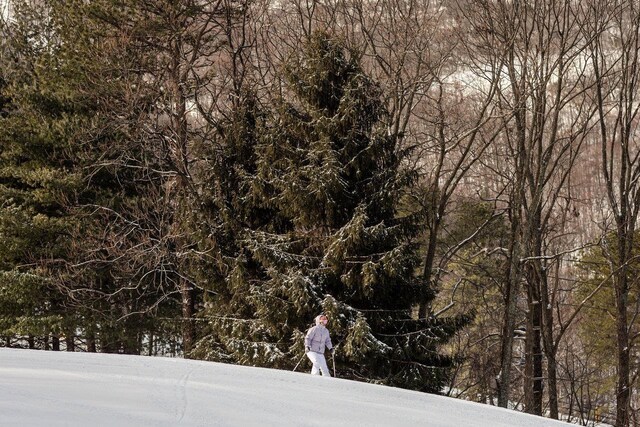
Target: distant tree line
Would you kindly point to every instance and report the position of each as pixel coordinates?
(455, 183)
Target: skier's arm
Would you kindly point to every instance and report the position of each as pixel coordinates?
(308, 337)
(328, 343)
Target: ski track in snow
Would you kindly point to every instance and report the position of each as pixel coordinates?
(182, 391)
(80, 389)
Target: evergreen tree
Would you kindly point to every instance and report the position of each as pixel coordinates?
(123, 270)
(474, 284)
(76, 189)
(164, 81)
(313, 195)
(229, 210)
(596, 331)
(37, 176)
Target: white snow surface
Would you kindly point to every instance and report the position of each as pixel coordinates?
(39, 388)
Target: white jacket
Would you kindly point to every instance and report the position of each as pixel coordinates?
(317, 339)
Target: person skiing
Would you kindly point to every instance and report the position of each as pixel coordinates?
(315, 341)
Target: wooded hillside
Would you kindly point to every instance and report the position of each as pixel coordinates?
(454, 183)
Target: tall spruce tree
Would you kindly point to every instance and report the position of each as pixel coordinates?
(230, 209)
(309, 200)
(121, 263)
(37, 177)
(75, 218)
(173, 63)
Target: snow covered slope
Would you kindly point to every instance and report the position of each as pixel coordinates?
(40, 388)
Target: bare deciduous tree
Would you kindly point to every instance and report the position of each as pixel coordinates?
(614, 58)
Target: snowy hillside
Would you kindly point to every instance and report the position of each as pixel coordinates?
(79, 389)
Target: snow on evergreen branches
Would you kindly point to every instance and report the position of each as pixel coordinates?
(313, 227)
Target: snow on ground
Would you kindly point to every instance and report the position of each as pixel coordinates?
(40, 388)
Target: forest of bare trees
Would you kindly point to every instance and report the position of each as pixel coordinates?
(199, 178)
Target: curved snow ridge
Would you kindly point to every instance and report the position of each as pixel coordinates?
(81, 389)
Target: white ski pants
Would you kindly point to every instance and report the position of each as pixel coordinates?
(319, 364)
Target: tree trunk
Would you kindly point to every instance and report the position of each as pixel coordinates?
(527, 382)
(188, 327)
(180, 155)
(429, 261)
(91, 342)
(533, 382)
(552, 386)
(70, 342)
(516, 246)
(511, 305)
(535, 277)
(55, 342)
(150, 352)
(622, 387)
(550, 347)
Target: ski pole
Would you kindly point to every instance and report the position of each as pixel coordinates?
(299, 362)
(333, 359)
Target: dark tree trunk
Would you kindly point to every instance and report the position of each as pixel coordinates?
(188, 327)
(70, 342)
(550, 348)
(423, 309)
(552, 369)
(150, 352)
(180, 161)
(516, 251)
(91, 342)
(55, 342)
(533, 382)
(623, 394)
(535, 277)
(622, 386)
(512, 290)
